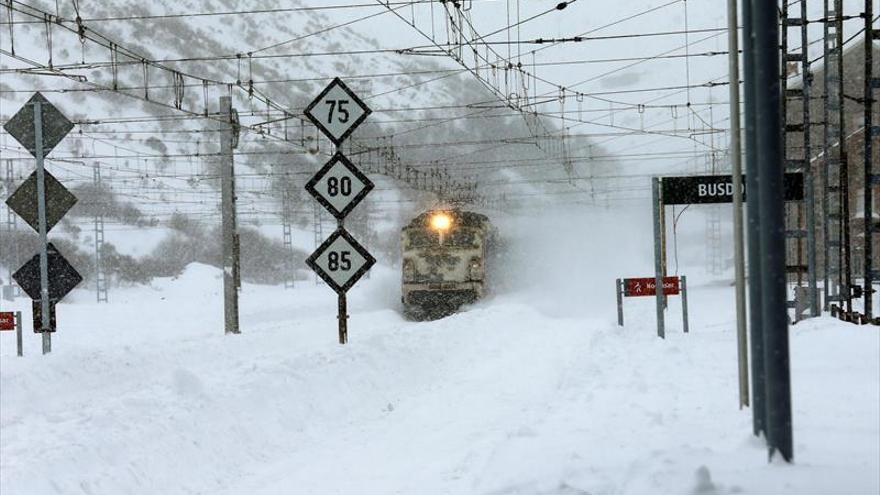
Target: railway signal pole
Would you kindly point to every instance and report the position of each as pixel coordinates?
(339, 186)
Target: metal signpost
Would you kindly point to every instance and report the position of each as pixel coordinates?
(701, 189)
(647, 286)
(339, 186)
(714, 189)
(42, 201)
(10, 321)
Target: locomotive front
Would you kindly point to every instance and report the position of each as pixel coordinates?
(443, 262)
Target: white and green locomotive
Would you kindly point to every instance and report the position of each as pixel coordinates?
(444, 262)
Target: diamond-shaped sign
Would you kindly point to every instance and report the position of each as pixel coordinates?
(339, 186)
(337, 111)
(62, 276)
(340, 261)
(54, 124)
(24, 201)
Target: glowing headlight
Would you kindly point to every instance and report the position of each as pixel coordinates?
(475, 270)
(441, 221)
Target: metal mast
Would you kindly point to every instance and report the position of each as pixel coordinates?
(800, 217)
(100, 273)
(871, 134)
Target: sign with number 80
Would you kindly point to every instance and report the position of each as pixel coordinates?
(339, 186)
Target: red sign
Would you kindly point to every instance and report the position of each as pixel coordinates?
(635, 287)
(7, 320)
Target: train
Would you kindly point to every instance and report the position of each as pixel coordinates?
(445, 255)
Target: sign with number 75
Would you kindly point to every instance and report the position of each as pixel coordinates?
(337, 111)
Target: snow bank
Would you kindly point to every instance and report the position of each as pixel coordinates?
(146, 396)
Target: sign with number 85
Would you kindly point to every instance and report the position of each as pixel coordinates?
(340, 261)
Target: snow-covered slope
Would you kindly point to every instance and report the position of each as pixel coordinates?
(500, 399)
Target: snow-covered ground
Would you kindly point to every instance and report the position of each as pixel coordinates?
(513, 396)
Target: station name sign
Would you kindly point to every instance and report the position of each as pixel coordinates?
(699, 189)
(647, 286)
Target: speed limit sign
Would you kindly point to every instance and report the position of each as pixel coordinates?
(340, 261)
(339, 186)
(337, 111)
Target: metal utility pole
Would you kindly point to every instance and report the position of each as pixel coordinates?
(736, 163)
(45, 324)
(872, 179)
(764, 27)
(753, 202)
(342, 301)
(230, 234)
(845, 255)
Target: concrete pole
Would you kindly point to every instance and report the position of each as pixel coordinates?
(658, 255)
(227, 195)
(736, 163)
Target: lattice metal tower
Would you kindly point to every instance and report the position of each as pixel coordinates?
(11, 226)
(318, 230)
(834, 173)
(714, 239)
(872, 175)
(287, 233)
(100, 272)
(800, 231)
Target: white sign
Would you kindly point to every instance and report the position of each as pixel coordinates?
(337, 111)
(339, 186)
(340, 261)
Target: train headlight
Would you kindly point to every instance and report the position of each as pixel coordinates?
(475, 269)
(409, 270)
(441, 221)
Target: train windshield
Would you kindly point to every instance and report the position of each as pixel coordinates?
(461, 238)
